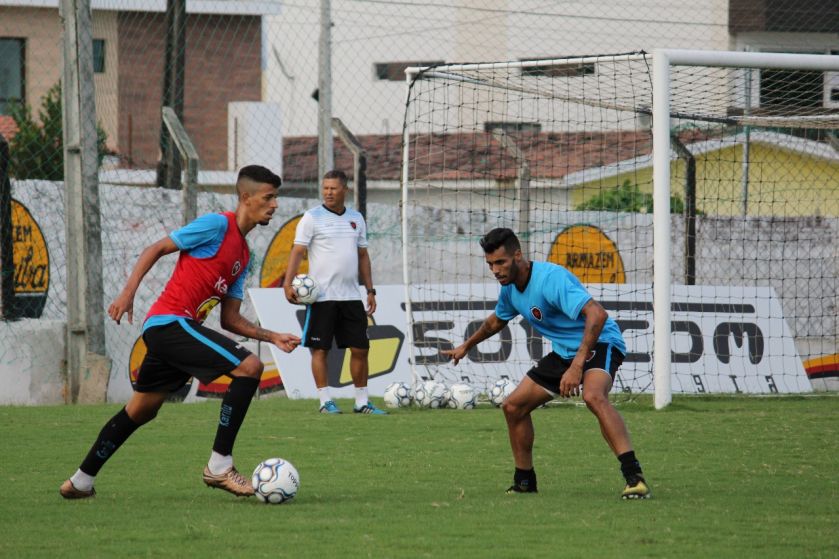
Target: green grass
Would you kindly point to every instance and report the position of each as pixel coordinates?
(731, 477)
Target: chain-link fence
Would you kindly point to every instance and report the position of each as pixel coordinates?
(244, 78)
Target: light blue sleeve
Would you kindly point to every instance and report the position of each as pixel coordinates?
(205, 232)
(564, 291)
(504, 308)
(237, 290)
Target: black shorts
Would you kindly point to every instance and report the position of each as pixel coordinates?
(346, 321)
(549, 370)
(184, 349)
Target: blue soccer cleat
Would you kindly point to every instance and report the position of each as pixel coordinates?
(329, 407)
(369, 409)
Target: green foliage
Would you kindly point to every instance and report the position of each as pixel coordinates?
(628, 198)
(37, 150)
(729, 476)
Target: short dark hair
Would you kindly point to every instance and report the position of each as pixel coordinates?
(258, 173)
(337, 174)
(498, 237)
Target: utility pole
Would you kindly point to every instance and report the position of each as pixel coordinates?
(326, 159)
(88, 369)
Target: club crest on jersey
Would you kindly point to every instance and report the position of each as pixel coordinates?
(536, 313)
(236, 267)
(353, 224)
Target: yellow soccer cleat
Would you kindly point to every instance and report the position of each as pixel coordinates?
(636, 488)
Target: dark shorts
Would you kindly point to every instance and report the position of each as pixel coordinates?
(346, 321)
(549, 370)
(184, 349)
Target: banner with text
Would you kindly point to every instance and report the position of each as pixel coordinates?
(724, 339)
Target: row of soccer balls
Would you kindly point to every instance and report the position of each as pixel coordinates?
(434, 394)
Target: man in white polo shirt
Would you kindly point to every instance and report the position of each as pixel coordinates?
(336, 240)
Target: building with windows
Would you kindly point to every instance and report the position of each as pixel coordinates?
(222, 65)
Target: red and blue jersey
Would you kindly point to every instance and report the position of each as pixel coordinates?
(212, 265)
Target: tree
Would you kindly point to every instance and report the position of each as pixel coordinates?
(628, 198)
(37, 150)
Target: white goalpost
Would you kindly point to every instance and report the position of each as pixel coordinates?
(663, 60)
(693, 193)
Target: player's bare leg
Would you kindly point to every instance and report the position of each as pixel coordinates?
(360, 372)
(143, 406)
(320, 370)
(596, 386)
(517, 408)
(220, 471)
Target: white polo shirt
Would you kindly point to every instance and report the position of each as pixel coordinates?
(333, 241)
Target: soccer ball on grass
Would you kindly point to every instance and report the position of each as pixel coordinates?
(500, 390)
(429, 394)
(397, 395)
(305, 288)
(275, 481)
(462, 396)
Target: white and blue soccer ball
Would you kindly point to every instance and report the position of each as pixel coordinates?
(500, 390)
(462, 396)
(447, 394)
(397, 395)
(429, 394)
(305, 288)
(275, 481)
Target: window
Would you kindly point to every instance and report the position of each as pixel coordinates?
(98, 56)
(793, 88)
(395, 71)
(573, 70)
(797, 89)
(12, 58)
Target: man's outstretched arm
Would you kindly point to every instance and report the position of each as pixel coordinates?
(491, 326)
(124, 302)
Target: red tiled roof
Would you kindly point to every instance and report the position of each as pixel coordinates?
(8, 127)
(472, 156)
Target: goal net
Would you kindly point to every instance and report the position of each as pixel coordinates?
(561, 151)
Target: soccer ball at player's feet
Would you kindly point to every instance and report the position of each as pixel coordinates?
(305, 288)
(462, 396)
(429, 394)
(275, 481)
(500, 390)
(397, 395)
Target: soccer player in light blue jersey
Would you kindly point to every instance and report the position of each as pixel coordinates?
(587, 349)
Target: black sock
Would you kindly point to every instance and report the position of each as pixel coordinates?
(525, 478)
(113, 434)
(630, 466)
(234, 406)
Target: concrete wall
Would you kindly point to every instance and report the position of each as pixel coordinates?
(796, 256)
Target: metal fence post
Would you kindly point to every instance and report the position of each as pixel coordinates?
(359, 158)
(190, 158)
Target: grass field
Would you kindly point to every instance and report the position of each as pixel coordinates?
(731, 477)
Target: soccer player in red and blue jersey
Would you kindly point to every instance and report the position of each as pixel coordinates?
(211, 269)
(587, 349)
